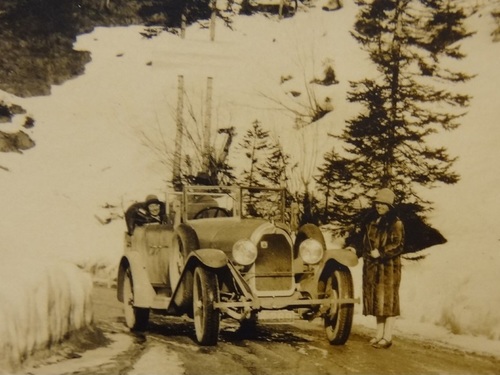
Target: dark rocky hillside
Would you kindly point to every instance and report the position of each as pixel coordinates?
(36, 45)
(36, 36)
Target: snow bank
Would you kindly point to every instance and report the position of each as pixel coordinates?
(42, 300)
(455, 292)
(454, 286)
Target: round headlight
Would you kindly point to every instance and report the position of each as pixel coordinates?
(244, 252)
(311, 251)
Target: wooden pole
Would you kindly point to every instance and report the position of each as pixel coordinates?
(280, 9)
(208, 125)
(183, 24)
(176, 174)
(213, 6)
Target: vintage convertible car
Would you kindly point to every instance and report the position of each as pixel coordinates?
(228, 254)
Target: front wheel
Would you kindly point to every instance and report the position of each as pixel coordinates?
(206, 316)
(136, 318)
(338, 318)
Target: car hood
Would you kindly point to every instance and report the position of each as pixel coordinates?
(222, 233)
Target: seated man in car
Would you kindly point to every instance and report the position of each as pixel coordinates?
(151, 211)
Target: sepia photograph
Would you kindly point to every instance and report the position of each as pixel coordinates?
(262, 187)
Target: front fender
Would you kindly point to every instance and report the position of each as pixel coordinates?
(345, 257)
(332, 259)
(213, 258)
(142, 288)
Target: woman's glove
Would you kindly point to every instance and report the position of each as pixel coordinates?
(375, 253)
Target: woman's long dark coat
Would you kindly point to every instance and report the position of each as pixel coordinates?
(381, 276)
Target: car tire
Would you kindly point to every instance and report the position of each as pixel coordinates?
(206, 316)
(136, 318)
(338, 319)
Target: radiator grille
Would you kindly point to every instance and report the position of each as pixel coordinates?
(273, 267)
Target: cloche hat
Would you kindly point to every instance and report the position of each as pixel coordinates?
(151, 198)
(385, 196)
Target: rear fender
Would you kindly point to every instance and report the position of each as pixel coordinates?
(142, 288)
(214, 259)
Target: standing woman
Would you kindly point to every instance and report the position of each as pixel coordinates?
(381, 244)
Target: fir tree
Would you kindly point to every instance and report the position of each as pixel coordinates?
(255, 144)
(274, 168)
(410, 42)
(269, 166)
(276, 173)
(335, 182)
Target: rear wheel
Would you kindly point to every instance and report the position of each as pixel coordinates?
(184, 242)
(206, 316)
(176, 262)
(338, 319)
(136, 318)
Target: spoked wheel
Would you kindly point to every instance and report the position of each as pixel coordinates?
(338, 319)
(136, 318)
(176, 262)
(206, 317)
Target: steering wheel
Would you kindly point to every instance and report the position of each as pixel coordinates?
(210, 212)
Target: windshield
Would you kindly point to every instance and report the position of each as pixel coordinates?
(263, 203)
(202, 202)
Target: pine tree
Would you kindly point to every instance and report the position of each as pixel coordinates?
(410, 42)
(275, 172)
(255, 144)
(335, 182)
(274, 168)
(268, 167)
